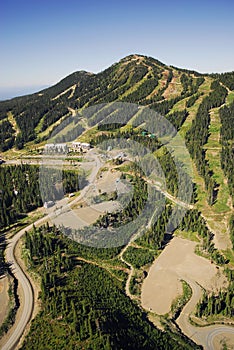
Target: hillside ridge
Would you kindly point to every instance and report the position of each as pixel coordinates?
(135, 78)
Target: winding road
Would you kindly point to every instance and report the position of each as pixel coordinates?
(201, 335)
(27, 290)
(26, 287)
(127, 287)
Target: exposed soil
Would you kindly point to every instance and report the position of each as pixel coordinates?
(4, 298)
(178, 261)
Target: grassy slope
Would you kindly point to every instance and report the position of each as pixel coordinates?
(205, 89)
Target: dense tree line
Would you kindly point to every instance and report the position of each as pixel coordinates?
(158, 97)
(108, 85)
(178, 118)
(165, 106)
(6, 135)
(170, 171)
(140, 136)
(190, 102)
(139, 257)
(226, 78)
(84, 307)
(110, 126)
(156, 236)
(107, 82)
(14, 304)
(114, 113)
(188, 71)
(27, 117)
(197, 136)
(226, 139)
(70, 135)
(131, 211)
(54, 115)
(221, 303)
(3, 265)
(20, 190)
(186, 82)
(188, 85)
(231, 229)
(143, 90)
(193, 221)
(178, 181)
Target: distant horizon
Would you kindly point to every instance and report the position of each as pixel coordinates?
(9, 93)
(17, 91)
(44, 41)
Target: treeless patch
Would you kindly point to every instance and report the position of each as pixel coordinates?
(224, 338)
(4, 299)
(178, 261)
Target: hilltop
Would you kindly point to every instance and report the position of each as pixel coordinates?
(191, 101)
(135, 78)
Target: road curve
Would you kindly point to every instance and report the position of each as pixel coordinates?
(26, 287)
(214, 333)
(19, 273)
(201, 335)
(127, 286)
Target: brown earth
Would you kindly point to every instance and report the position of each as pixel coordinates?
(4, 298)
(177, 262)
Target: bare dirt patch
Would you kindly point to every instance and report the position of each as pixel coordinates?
(174, 87)
(177, 262)
(107, 183)
(224, 338)
(4, 299)
(81, 217)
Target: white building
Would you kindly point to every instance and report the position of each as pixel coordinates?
(80, 146)
(48, 204)
(56, 148)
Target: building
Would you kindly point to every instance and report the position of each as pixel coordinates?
(48, 204)
(60, 148)
(76, 146)
(80, 146)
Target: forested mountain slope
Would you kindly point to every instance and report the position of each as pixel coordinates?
(137, 79)
(188, 99)
(201, 108)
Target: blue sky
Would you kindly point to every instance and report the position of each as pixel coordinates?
(43, 41)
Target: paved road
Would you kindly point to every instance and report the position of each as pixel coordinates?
(26, 287)
(201, 335)
(28, 300)
(214, 333)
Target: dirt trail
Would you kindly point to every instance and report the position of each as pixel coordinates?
(131, 273)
